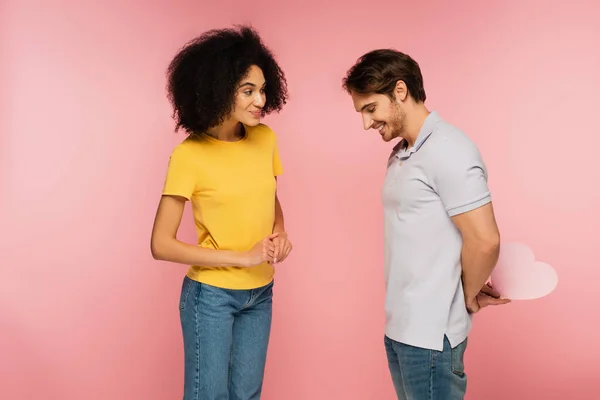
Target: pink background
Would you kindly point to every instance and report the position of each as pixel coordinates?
(86, 132)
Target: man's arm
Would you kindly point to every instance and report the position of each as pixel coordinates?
(460, 179)
(480, 250)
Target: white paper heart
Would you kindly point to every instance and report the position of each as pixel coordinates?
(517, 276)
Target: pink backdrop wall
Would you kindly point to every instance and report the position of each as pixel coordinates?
(86, 132)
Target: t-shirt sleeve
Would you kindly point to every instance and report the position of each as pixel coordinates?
(460, 177)
(277, 167)
(181, 176)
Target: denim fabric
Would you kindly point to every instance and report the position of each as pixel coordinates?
(226, 335)
(423, 374)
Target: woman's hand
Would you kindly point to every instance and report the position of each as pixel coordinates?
(263, 251)
(283, 247)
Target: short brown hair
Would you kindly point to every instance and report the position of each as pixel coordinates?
(378, 71)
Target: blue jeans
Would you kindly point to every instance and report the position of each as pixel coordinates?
(225, 336)
(422, 374)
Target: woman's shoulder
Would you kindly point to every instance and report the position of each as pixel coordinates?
(187, 148)
(260, 129)
(261, 132)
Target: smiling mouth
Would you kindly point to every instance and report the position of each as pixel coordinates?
(380, 127)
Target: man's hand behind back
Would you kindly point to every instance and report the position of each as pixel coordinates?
(487, 297)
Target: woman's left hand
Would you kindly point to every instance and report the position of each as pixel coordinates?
(283, 247)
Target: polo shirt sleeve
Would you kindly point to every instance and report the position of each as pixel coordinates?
(459, 175)
(181, 174)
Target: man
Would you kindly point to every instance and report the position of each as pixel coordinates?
(441, 237)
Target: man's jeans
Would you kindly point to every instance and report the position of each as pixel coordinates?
(421, 374)
(225, 335)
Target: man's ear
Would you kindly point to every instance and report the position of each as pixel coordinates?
(401, 91)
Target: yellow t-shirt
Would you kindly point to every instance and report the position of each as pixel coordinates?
(231, 186)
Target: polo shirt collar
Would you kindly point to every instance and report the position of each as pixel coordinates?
(426, 130)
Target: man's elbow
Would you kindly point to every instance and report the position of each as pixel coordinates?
(490, 244)
(486, 244)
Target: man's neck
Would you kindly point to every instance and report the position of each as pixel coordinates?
(413, 122)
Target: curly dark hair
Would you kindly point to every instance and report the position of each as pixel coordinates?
(203, 77)
(378, 71)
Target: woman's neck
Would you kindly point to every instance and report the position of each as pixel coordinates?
(228, 131)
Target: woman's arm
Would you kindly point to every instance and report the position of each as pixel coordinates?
(283, 246)
(279, 225)
(165, 245)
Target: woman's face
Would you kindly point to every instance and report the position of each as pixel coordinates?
(250, 98)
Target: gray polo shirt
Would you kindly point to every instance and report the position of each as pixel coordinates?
(440, 176)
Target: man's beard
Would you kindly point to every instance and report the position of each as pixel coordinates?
(397, 122)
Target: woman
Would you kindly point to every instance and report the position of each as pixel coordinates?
(220, 85)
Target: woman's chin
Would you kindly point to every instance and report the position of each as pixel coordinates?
(251, 121)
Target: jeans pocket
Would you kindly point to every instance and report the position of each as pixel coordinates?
(186, 288)
(458, 359)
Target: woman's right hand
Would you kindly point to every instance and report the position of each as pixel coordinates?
(263, 251)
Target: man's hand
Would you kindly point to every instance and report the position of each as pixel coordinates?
(487, 297)
(283, 247)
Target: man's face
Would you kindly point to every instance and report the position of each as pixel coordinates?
(381, 113)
